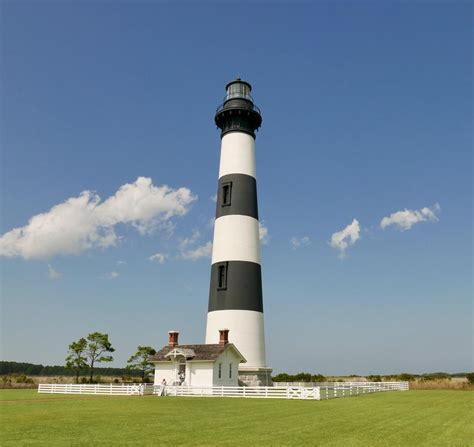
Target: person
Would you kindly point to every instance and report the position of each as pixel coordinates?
(163, 388)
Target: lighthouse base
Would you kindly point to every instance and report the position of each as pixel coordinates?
(255, 376)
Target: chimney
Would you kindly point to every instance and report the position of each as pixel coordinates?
(223, 336)
(173, 338)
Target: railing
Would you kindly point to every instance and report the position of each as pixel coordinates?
(108, 389)
(254, 107)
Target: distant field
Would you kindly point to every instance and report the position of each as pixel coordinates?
(413, 418)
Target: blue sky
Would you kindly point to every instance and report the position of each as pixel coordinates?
(367, 112)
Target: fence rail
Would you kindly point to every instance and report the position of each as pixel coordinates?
(108, 389)
(327, 391)
(322, 392)
(268, 392)
(347, 389)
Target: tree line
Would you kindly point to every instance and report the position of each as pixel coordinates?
(300, 377)
(32, 369)
(308, 377)
(83, 356)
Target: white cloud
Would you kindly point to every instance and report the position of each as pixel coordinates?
(191, 240)
(84, 222)
(214, 198)
(300, 242)
(121, 262)
(159, 257)
(341, 240)
(405, 219)
(204, 251)
(53, 274)
(263, 234)
(111, 275)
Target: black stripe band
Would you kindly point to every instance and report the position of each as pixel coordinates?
(237, 194)
(236, 285)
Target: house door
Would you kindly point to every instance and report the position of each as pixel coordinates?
(182, 371)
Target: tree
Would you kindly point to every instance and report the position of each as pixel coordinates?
(406, 377)
(318, 378)
(75, 359)
(470, 378)
(374, 378)
(140, 360)
(97, 345)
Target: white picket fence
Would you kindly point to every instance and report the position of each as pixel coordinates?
(107, 389)
(327, 391)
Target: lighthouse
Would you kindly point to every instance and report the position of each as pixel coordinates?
(235, 292)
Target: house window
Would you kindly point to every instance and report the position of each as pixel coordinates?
(226, 193)
(230, 370)
(222, 276)
(219, 372)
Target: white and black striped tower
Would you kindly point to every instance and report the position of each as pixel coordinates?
(235, 295)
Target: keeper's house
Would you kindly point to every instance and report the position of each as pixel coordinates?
(198, 365)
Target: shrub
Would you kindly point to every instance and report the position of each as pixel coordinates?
(318, 378)
(470, 378)
(24, 379)
(374, 378)
(405, 377)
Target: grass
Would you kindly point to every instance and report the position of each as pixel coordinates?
(413, 418)
(442, 384)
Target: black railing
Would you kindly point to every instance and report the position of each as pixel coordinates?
(254, 107)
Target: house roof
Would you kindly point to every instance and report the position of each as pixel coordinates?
(194, 352)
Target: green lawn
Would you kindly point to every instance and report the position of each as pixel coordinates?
(413, 418)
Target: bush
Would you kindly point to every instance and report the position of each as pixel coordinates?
(318, 378)
(24, 379)
(470, 378)
(374, 378)
(300, 377)
(405, 377)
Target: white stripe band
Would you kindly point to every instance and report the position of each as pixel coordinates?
(237, 154)
(236, 238)
(246, 332)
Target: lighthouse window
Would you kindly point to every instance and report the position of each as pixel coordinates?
(238, 90)
(226, 193)
(222, 276)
